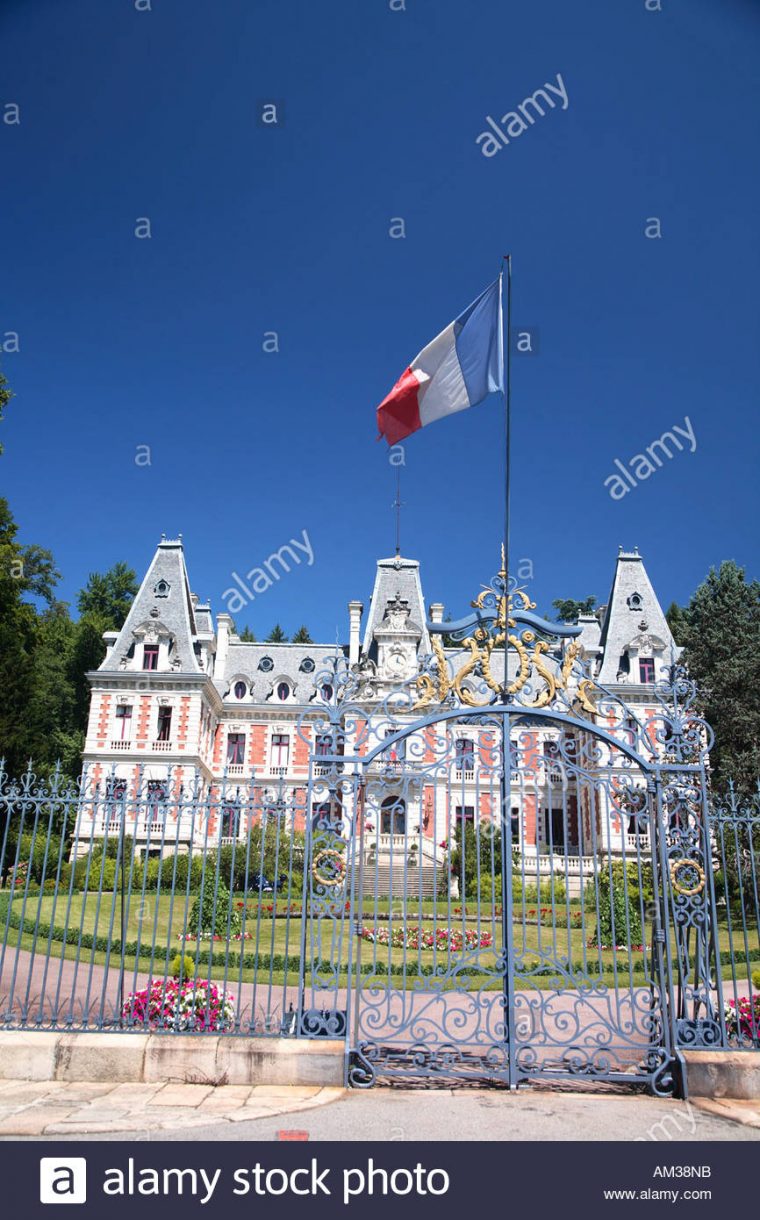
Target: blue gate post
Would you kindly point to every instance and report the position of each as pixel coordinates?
(662, 940)
(507, 930)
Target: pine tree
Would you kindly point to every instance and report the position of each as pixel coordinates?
(302, 636)
(276, 635)
(247, 636)
(109, 595)
(675, 616)
(723, 657)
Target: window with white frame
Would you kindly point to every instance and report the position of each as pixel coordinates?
(236, 748)
(150, 656)
(464, 753)
(280, 751)
(397, 752)
(646, 669)
(164, 724)
(123, 716)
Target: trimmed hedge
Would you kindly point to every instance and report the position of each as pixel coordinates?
(278, 961)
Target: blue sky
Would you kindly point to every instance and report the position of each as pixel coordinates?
(158, 342)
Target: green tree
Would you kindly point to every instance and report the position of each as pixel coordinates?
(722, 654)
(6, 395)
(109, 595)
(213, 909)
(678, 622)
(103, 605)
(476, 856)
(619, 907)
(51, 732)
(247, 636)
(569, 610)
(276, 635)
(302, 636)
(27, 577)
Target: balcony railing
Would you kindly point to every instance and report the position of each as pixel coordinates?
(165, 746)
(143, 828)
(235, 768)
(278, 770)
(121, 745)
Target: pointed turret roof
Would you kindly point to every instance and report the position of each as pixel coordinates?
(397, 579)
(164, 602)
(633, 615)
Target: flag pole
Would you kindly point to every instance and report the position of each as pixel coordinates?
(506, 843)
(507, 340)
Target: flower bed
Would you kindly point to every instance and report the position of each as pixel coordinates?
(217, 936)
(741, 1020)
(197, 1005)
(425, 938)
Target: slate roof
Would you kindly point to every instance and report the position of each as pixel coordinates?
(625, 615)
(244, 663)
(396, 577)
(174, 611)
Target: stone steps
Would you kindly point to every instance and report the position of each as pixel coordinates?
(393, 879)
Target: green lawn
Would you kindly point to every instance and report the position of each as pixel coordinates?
(275, 943)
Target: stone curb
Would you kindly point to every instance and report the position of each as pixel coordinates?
(181, 1058)
(734, 1074)
(747, 1113)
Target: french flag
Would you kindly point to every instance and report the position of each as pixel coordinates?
(457, 370)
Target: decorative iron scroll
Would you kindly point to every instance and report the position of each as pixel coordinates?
(502, 611)
(546, 672)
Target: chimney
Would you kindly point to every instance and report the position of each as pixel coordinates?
(436, 612)
(224, 623)
(354, 624)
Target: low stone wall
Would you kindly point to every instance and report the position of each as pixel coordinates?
(734, 1074)
(191, 1059)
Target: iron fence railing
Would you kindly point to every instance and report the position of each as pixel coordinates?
(136, 906)
(735, 842)
(128, 912)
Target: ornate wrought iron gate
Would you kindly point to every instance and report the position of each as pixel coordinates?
(508, 873)
(506, 889)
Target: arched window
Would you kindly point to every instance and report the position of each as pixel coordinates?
(240, 690)
(393, 816)
(283, 691)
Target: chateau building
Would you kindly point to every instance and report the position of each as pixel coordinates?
(181, 701)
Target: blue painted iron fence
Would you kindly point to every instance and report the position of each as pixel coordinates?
(489, 876)
(226, 912)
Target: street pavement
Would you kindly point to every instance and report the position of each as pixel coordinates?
(140, 1112)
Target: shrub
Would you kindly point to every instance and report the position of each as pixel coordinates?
(182, 967)
(174, 868)
(477, 853)
(618, 913)
(32, 854)
(213, 910)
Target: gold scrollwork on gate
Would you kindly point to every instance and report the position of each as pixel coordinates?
(336, 861)
(692, 869)
(530, 651)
